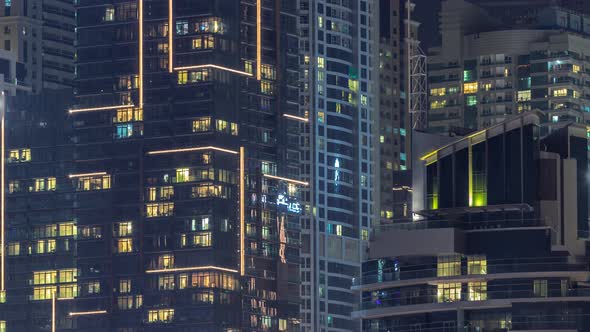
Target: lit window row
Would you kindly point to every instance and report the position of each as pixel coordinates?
(191, 175)
(198, 280)
(160, 193)
(210, 190)
(19, 155)
(54, 230)
(193, 76)
(451, 265)
(195, 240)
(160, 316)
(159, 210)
(212, 25)
(438, 92)
(89, 183)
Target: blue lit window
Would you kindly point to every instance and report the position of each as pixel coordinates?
(402, 156)
(7, 3)
(402, 131)
(124, 131)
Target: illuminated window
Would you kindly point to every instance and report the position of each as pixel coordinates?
(160, 316)
(109, 14)
(268, 167)
(321, 62)
(67, 229)
(124, 228)
(68, 275)
(14, 186)
(182, 77)
(208, 190)
(560, 93)
(182, 175)
(13, 248)
(248, 67)
(166, 261)
(448, 266)
(68, 291)
(477, 265)
(159, 210)
(93, 287)
(470, 88)
(43, 184)
(471, 100)
(339, 230)
(524, 95)
(43, 293)
(2, 326)
(166, 282)
(321, 117)
(438, 91)
(124, 245)
(19, 155)
(221, 125)
(45, 246)
(90, 232)
(44, 277)
(268, 72)
(128, 115)
(450, 292)
(365, 235)
(183, 281)
(124, 286)
(266, 87)
(203, 42)
(88, 183)
(234, 129)
(487, 86)
(575, 68)
(436, 104)
(320, 22)
(540, 288)
(478, 291)
(202, 240)
(467, 75)
(202, 124)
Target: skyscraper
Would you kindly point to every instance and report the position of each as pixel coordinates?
(494, 64)
(181, 191)
(41, 34)
(395, 121)
(338, 53)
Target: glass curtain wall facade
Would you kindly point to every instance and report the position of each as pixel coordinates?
(185, 183)
(337, 56)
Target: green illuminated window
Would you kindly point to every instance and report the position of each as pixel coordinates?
(471, 100)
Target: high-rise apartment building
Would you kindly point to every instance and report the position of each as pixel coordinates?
(501, 244)
(394, 119)
(178, 204)
(485, 71)
(338, 56)
(41, 34)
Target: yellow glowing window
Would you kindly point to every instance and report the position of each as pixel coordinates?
(320, 22)
(478, 291)
(14, 186)
(477, 265)
(321, 117)
(166, 192)
(248, 67)
(524, 95)
(45, 246)
(268, 72)
(160, 210)
(182, 175)
(152, 194)
(487, 86)
(88, 183)
(2, 326)
(207, 190)
(438, 91)
(321, 62)
(364, 100)
(124, 245)
(128, 115)
(14, 249)
(365, 235)
(559, 92)
(202, 240)
(436, 104)
(338, 107)
(234, 129)
(448, 266)
(166, 261)
(124, 286)
(182, 77)
(221, 125)
(450, 292)
(44, 277)
(575, 68)
(68, 275)
(166, 282)
(266, 87)
(183, 281)
(93, 287)
(203, 42)
(201, 124)
(19, 155)
(469, 88)
(575, 94)
(160, 316)
(339, 230)
(124, 228)
(43, 184)
(67, 229)
(43, 293)
(68, 291)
